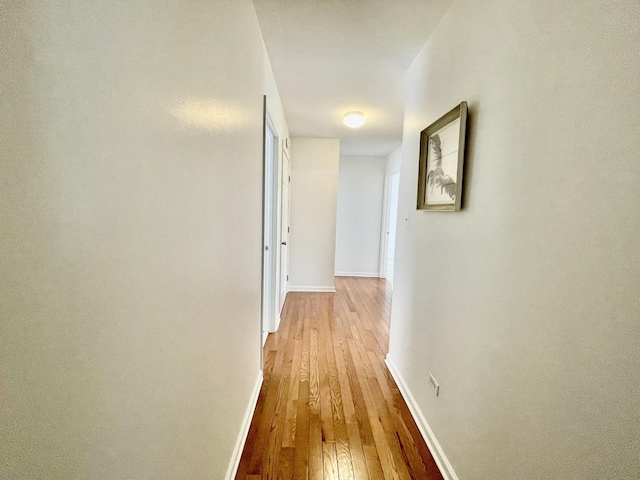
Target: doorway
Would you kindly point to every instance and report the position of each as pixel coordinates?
(387, 257)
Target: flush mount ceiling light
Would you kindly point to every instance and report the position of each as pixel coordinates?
(354, 119)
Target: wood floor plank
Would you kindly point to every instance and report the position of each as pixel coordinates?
(272, 451)
(362, 417)
(345, 467)
(373, 462)
(301, 454)
(326, 411)
(328, 407)
(379, 436)
(264, 427)
(315, 449)
(289, 430)
(330, 461)
(285, 468)
(314, 375)
(358, 458)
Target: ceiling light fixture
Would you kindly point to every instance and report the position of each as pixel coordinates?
(354, 119)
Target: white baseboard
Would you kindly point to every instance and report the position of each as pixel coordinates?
(278, 320)
(244, 430)
(357, 274)
(434, 447)
(313, 289)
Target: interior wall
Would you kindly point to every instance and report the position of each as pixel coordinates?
(359, 217)
(525, 305)
(314, 195)
(130, 216)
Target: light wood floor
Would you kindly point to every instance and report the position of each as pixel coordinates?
(328, 408)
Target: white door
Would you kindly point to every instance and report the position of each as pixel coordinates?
(393, 184)
(269, 228)
(285, 230)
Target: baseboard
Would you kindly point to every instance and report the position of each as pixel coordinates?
(313, 289)
(434, 447)
(244, 431)
(357, 274)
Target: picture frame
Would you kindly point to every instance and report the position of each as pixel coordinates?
(442, 152)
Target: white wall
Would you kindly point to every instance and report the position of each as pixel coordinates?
(314, 194)
(359, 220)
(525, 304)
(130, 216)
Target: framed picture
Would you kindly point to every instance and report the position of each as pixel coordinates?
(441, 162)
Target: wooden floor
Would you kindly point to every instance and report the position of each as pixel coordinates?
(328, 408)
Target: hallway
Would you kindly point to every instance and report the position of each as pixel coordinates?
(328, 407)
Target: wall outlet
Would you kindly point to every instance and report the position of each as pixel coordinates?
(434, 384)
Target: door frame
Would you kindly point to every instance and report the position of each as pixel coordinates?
(384, 235)
(270, 226)
(282, 222)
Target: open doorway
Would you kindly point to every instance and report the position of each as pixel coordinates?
(387, 257)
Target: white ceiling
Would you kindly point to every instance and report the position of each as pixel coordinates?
(333, 56)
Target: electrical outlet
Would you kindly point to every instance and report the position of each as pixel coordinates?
(434, 384)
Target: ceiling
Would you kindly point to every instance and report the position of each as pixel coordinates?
(333, 56)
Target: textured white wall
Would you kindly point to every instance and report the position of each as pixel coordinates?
(130, 216)
(360, 203)
(525, 304)
(314, 195)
